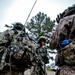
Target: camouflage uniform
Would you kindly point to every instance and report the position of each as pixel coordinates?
(15, 51)
(41, 58)
(63, 39)
(42, 50)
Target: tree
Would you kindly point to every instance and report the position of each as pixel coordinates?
(40, 25)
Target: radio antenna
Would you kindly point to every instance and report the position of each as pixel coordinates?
(30, 13)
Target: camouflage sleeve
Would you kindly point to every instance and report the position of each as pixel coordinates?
(5, 36)
(54, 41)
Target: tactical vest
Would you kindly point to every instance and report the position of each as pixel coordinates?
(22, 47)
(42, 53)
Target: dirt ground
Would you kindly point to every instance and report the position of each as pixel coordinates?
(48, 72)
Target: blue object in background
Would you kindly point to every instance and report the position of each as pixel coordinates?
(63, 43)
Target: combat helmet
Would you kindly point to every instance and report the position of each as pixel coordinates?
(42, 38)
(18, 26)
(67, 12)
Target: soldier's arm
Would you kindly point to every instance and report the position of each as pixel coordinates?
(54, 41)
(5, 36)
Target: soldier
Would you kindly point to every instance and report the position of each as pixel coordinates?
(15, 50)
(42, 50)
(63, 40)
(41, 57)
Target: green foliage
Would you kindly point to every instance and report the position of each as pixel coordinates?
(40, 25)
(48, 69)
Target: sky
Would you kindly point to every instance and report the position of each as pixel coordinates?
(18, 10)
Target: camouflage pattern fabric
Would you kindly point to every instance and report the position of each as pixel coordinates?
(17, 50)
(69, 53)
(42, 53)
(39, 67)
(67, 70)
(20, 52)
(63, 31)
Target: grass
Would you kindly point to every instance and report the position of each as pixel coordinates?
(48, 69)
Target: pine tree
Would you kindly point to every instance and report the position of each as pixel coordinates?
(40, 25)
